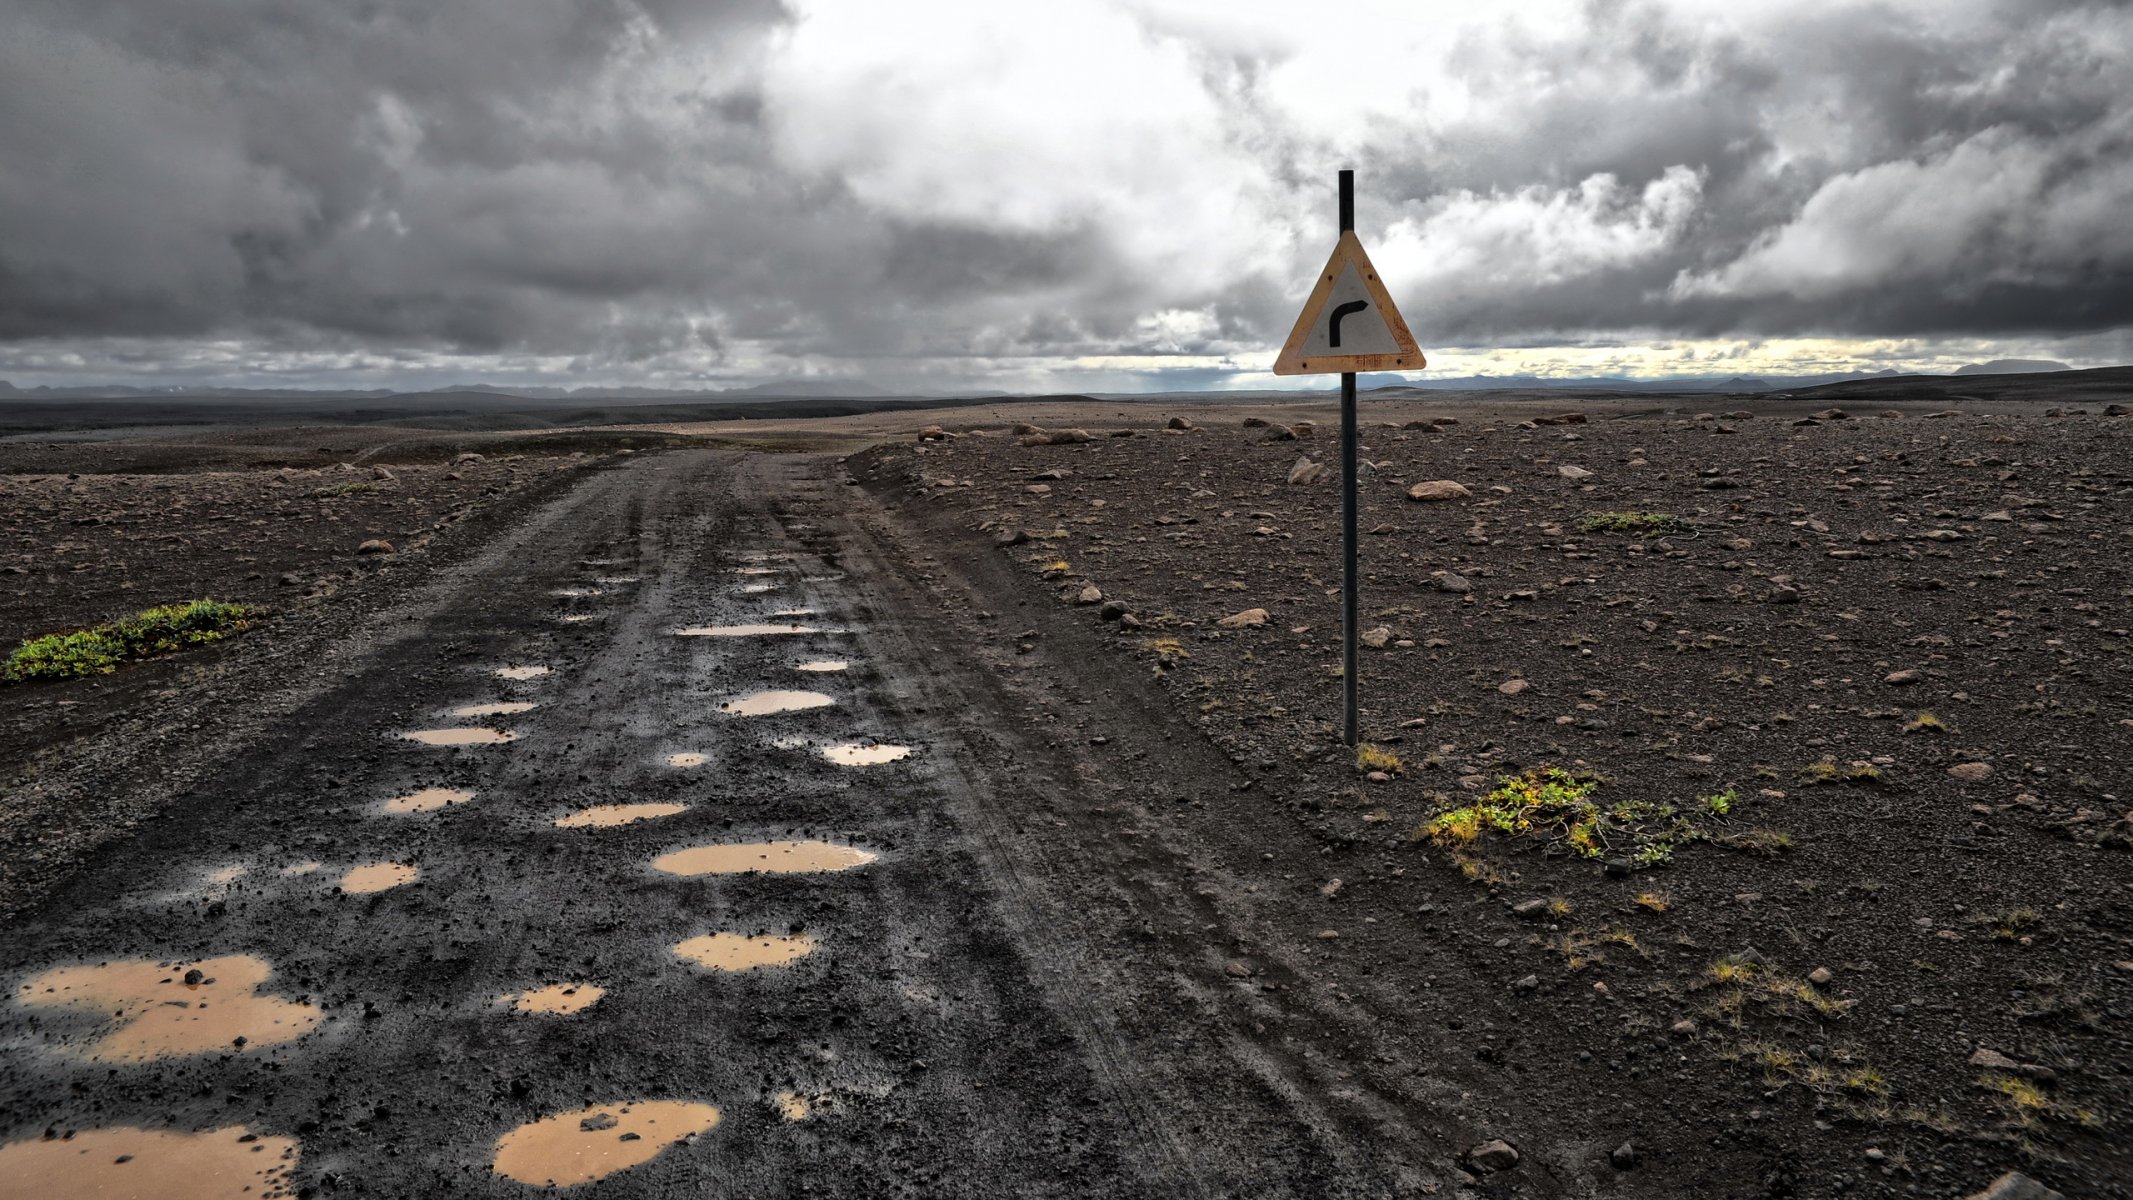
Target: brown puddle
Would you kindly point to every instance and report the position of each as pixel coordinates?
(823, 664)
(772, 858)
(764, 704)
(687, 758)
(377, 877)
(507, 708)
(471, 736)
(856, 754)
(557, 999)
(521, 673)
(571, 1148)
(743, 630)
(792, 1106)
(427, 800)
(606, 816)
(125, 1163)
(739, 952)
(173, 1010)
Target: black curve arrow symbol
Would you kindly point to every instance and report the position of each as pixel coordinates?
(1333, 323)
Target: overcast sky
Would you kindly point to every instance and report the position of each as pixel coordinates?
(1075, 194)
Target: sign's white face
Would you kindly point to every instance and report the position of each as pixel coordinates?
(1352, 317)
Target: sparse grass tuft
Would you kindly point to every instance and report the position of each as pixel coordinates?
(1560, 809)
(1168, 648)
(2012, 925)
(1925, 722)
(1767, 843)
(1376, 758)
(1635, 524)
(1656, 901)
(101, 649)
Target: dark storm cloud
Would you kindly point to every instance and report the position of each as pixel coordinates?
(685, 188)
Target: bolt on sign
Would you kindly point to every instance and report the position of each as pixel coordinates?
(1349, 323)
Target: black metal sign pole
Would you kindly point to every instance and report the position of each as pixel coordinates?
(1349, 668)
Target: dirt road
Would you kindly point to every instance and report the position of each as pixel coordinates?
(945, 966)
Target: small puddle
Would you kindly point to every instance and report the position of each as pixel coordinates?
(764, 704)
(754, 589)
(472, 736)
(739, 952)
(823, 665)
(507, 708)
(169, 1010)
(377, 877)
(754, 571)
(427, 800)
(571, 1148)
(574, 618)
(576, 593)
(615, 580)
(771, 858)
(606, 816)
(743, 630)
(687, 758)
(796, 612)
(793, 1106)
(557, 999)
(858, 754)
(126, 1163)
(521, 673)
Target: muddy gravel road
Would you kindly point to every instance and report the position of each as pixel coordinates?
(671, 846)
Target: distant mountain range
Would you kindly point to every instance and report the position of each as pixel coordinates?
(861, 389)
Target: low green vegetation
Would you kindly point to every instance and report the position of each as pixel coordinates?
(1635, 524)
(101, 649)
(1560, 809)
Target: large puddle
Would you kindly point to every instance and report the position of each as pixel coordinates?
(125, 1163)
(377, 877)
(772, 858)
(571, 1148)
(169, 1010)
(521, 673)
(427, 800)
(605, 816)
(470, 736)
(739, 952)
(763, 704)
(557, 999)
(506, 708)
(864, 754)
(823, 665)
(758, 630)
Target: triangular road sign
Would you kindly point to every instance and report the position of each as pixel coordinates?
(1349, 323)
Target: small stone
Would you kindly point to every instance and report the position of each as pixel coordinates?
(1239, 969)
(1111, 611)
(1306, 471)
(382, 475)
(375, 546)
(1833, 414)
(1010, 537)
(1900, 678)
(1376, 638)
(1448, 582)
(2014, 1185)
(1490, 1156)
(1683, 1028)
(1624, 1157)
(1568, 472)
(1531, 908)
(1970, 772)
(1820, 976)
(1090, 595)
(1528, 984)
(933, 433)
(598, 1121)
(1256, 422)
(1993, 1060)
(1512, 687)
(1180, 423)
(1250, 618)
(1438, 489)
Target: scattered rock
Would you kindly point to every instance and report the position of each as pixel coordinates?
(1833, 414)
(1256, 422)
(933, 433)
(469, 457)
(1971, 772)
(375, 546)
(1111, 611)
(1089, 595)
(598, 1121)
(1448, 582)
(1250, 618)
(1438, 489)
(1820, 976)
(1306, 471)
(1303, 429)
(1180, 423)
(382, 475)
(1530, 983)
(1010, 537)
(1530, 908)
(1512, 687)
(1900, 677)
(1623, 1157)
(1377, 638)
(1239, 969)
(1573, 473)
(2014, 1185)
(1491, 1156)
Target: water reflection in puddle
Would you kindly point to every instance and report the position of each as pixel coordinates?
(475, 736)
(823, 665)
(687, 758)
(771, 858)
(754, 589)
(557, 999)
(574, 618)
(575, 593)
(571, 1148)
(743, 630)
(506, 708)
(427, 800)
(126, 1163)
(521, 673)
(615, 580)
(858, 754)
(606, 816)
(763, 704)
(377, 877)
(739, 952)
(169, 1010)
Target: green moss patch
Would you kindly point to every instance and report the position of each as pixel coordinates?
(101, 649)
